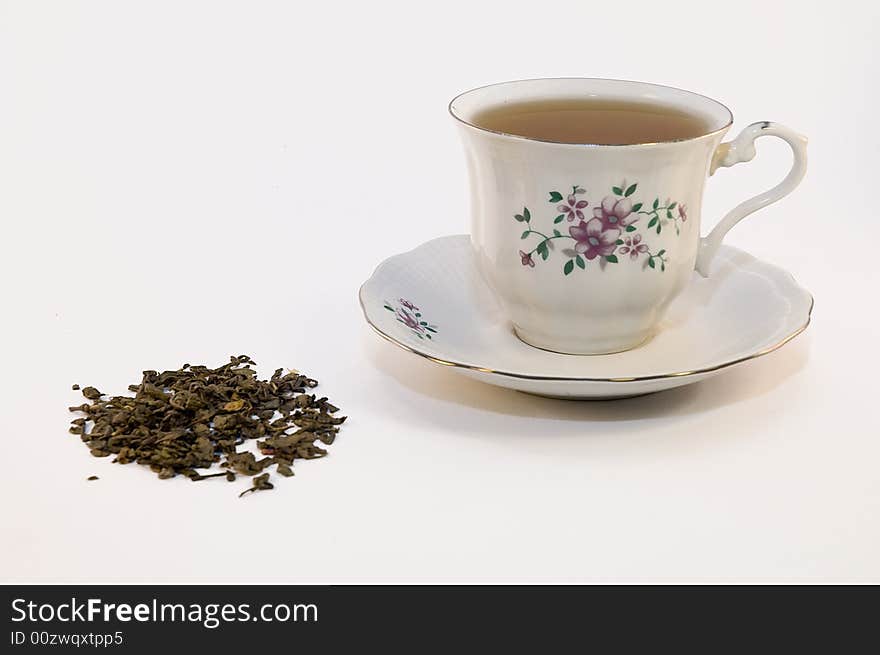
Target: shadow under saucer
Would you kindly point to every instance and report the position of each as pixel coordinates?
(742, 382)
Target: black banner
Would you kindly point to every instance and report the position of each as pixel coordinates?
(416, 618)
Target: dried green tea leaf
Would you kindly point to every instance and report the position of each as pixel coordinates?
(197, 477)
(91, 393)
(261, 483)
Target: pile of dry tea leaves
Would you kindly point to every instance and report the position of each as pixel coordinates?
(180, 421)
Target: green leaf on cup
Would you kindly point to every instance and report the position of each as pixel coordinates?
(526, 214)
(542, 250)
(557, 233)
(630, 228)
(672, 205)
(580, 261)
(611, 258)
(652, 222)
(525, 234)
(520, 218)
(668, 214)
(651, 262)
(662, 252)
(555, 196)
(569, 267)
(617, 190)
(656, 202)
(559, 218)
(637, 206)
(631, 189)
(659, 227)
(619, 242)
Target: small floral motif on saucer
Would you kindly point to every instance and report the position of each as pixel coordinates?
(408, 314)
(745, 309)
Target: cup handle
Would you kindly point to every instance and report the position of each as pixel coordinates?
(742, 148)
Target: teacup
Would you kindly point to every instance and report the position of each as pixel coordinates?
(586, 245)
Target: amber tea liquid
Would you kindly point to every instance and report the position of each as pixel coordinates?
(592, 121)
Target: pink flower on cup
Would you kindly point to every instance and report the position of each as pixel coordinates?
(526, 259)
(593, 239)
(682, 212)
(408, 305)
(408, 320)
(633, 246)
(572, 207)
(615, 212)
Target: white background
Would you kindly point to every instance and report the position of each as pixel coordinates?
(181, 181)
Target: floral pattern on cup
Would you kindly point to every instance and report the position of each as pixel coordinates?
(611, 230)
(407, 313)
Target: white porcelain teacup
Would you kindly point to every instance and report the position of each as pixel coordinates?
(586, 245)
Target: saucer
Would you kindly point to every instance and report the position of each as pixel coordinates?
(433, 302)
